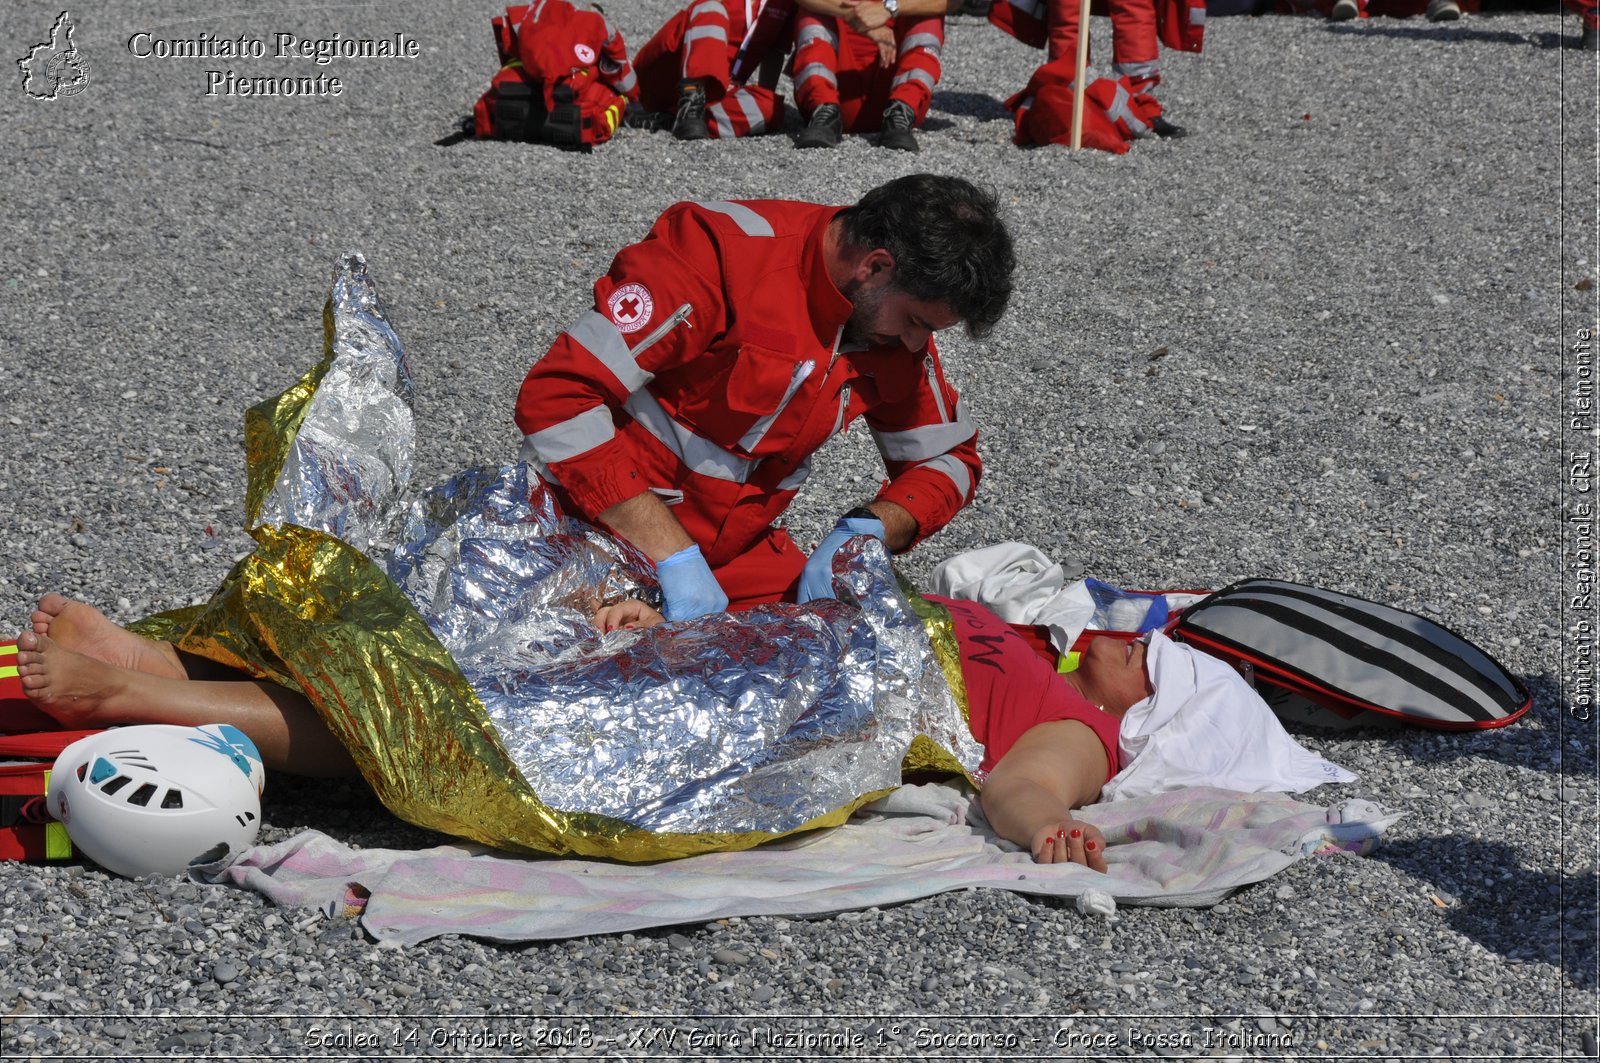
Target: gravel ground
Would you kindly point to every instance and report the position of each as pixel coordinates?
(1319, 339)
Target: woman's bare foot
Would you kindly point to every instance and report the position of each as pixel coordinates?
(78, 691)
(86, 630)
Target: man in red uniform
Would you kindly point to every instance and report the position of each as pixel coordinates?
(861, 65)
(687, 68)
(727, 346)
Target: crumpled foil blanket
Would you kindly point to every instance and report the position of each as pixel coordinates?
(446, 638)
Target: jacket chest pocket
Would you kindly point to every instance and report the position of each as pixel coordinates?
(762, 380)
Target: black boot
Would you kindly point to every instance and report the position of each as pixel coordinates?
(690, 124)
(825, 129)
(898, 119)
(1165, 129)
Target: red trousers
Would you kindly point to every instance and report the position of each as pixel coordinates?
(1135, 49)
(700, 42)
(767, 572)
(834, 64)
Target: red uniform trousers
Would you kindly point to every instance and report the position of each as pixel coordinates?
(1138, 29)
(767, 572)
(1135, 49)
(834, 64)
(701, 42)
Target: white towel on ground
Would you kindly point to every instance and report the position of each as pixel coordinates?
(1184, 848)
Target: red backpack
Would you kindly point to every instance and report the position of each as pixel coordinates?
(564, 77)
(29, 745)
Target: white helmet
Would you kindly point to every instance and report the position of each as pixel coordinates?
(156, 799)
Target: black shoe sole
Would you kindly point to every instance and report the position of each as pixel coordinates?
(803, 141)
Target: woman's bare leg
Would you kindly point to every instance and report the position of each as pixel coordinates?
(86, 630)
(82, 692)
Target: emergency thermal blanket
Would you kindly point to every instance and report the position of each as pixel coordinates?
(445, 638)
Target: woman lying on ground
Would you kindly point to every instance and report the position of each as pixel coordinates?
(1050, 741)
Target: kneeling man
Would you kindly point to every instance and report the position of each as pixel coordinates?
(735, 340)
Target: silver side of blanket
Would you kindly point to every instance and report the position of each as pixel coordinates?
(760, 720)
(757, 721)
(352, 454)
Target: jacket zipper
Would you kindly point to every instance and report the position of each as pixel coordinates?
(938, 395)
(759, 430)
(844, 405)
(662, 329)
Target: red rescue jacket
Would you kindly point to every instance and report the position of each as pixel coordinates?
(712, 368)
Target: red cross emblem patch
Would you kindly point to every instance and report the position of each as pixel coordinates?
(630, 307)
(584, 53)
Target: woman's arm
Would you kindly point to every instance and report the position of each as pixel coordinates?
(1029, 797)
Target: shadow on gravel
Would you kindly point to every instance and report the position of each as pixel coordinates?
(977, 105)
(1524, 914)
(344, 809)
(1514, 745)
(1448, 33)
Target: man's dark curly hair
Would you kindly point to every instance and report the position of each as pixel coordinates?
(948, 241)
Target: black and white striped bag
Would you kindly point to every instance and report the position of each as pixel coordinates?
(1353, 656)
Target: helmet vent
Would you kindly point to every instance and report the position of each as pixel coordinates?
(142, 795)
(134, 756)
(245, 818)
(115, 784)
(173, 799)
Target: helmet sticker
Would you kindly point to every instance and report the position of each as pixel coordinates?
(630, 306)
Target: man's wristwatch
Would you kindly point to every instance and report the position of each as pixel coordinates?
(892, 6)
(861, 513)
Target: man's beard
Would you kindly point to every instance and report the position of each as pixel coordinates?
(867, 304)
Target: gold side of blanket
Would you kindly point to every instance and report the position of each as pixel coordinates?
(312, 614)
(926, 755)
(270, 427)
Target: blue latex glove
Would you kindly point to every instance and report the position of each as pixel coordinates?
(688, 586)
(816, 580)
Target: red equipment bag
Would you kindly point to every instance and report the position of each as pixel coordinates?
(30, 741)
(558, 82)
(1115, 114)
(1353, 656)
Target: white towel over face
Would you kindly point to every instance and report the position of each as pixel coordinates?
(1205, 726)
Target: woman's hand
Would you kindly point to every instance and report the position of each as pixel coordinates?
(1070, 841)
(627, 614)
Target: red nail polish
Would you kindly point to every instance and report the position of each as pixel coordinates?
(1090, 845)
(1076, 833)
(1061, 834)
(1049, 841)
